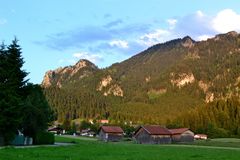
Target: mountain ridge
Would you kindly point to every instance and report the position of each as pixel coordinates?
(170, 77)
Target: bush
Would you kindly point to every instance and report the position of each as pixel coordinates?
(216, 132)
(44, 138)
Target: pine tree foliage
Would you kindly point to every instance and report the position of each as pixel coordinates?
(218, 119)
(23, 107)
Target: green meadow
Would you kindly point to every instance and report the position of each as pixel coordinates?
(91, 149)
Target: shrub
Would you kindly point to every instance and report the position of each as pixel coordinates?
(44, 138)
(216, 132)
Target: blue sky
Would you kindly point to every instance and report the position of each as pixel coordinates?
(55, 33)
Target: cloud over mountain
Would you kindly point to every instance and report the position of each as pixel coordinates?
(117, 37)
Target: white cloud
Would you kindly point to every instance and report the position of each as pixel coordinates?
(171, 23)
(203, 37)
(198, 25)
(119, 44)
(200, 13)
(94, 58)
(226, 20)
(67, 61)
(155, 37)
(91, 57)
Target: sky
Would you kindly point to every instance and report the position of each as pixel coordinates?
(58, 33)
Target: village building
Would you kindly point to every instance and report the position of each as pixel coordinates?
(103, 121)
(182, 135)
(152, 134)
(110, 133)
(87, 132)
(56, 130)
(200, 136)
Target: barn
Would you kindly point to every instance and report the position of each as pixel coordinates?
(182, 135)
(110, 133)
(152, 134)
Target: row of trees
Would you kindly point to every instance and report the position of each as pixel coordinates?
(218, 119)
(80, 104)
(23, 106)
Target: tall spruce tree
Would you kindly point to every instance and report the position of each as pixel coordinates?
(22, 106)
(12, 81)
(17, 76)
(10, 102)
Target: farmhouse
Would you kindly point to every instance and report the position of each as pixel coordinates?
(110, 133)
(152, 134)
(182, 135)
(200, 136)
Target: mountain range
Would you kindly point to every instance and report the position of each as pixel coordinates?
(153, 86)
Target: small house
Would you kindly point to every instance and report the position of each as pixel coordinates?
(103, 121)
(200, 136)
(87, 132)
(56, 130)
(182, 135)
(152, 134)
(110, 133)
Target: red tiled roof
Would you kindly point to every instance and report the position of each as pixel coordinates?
(156, 130)
(112, 129)
(178, 130)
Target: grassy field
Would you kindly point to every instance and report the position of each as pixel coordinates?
(85, 149)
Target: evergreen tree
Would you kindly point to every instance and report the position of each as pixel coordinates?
(17, 77)
(11, 80)
(22, 107)
(37, 113)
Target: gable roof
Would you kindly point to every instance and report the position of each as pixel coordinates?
(155, 130)
(178, 130)
(55, 129)
(112, 129)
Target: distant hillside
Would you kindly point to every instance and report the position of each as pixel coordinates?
(153, 86)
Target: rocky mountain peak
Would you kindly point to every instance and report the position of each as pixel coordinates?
(84, 63)
(188, 42)
(60, 75)
(229, 34)
(232, 33)
(47, 79)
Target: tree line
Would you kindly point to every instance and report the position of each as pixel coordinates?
(220, 118)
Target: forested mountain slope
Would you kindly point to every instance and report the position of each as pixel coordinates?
(153, 86)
